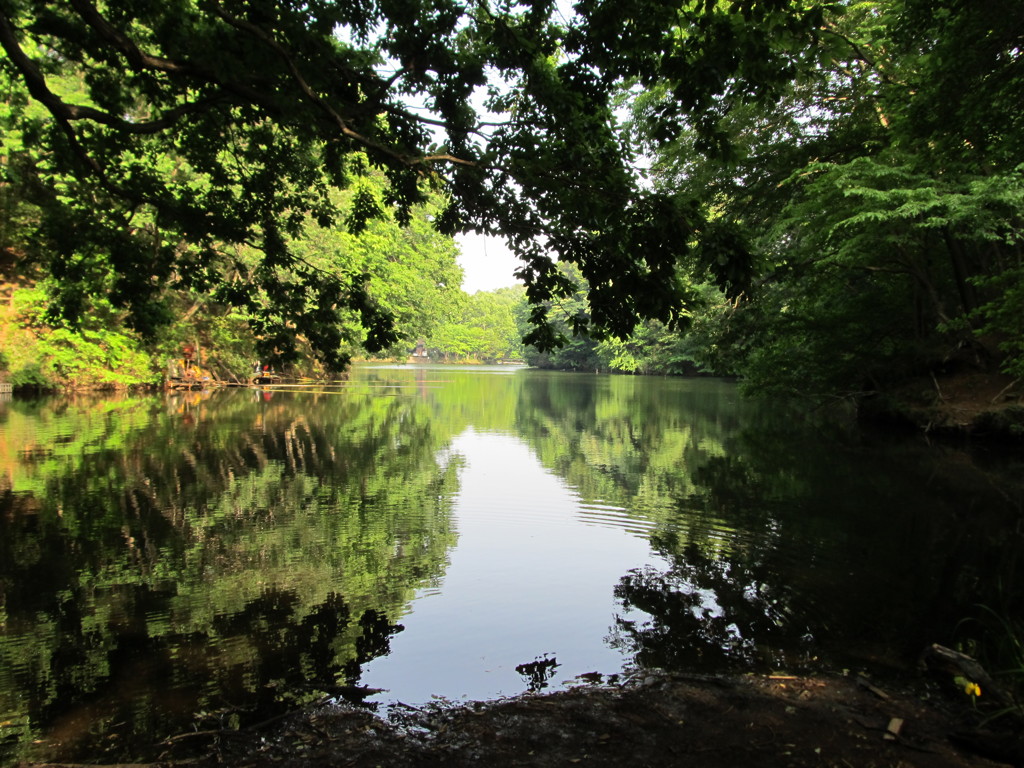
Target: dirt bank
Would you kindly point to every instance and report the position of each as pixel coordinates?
(989, 406)
(661, 720)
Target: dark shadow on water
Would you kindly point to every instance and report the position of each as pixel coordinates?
(709, 614)
(285, 660)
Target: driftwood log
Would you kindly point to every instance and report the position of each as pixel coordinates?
(943, 660)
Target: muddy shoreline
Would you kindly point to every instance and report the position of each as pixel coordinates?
(654, 720)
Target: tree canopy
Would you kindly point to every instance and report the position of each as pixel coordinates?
(150, 141)
(828, 191)
(879, 197)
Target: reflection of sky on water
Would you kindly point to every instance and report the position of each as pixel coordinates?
(491, 613)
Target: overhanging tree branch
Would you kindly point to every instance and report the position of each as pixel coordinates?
(36, 84)
(314, 98)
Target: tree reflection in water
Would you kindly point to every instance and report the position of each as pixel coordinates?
(210, 559)
(159, 573)
(708, 613)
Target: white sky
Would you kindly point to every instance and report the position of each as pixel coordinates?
(487, 263)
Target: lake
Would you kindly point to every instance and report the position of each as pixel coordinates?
(213, 558)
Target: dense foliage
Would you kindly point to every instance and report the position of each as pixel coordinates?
(652, 348)
(483, 329)
(411, 271)
(817, 196)
(153, 140)
(880, 198)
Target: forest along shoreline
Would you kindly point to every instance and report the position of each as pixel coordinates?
(650, 719)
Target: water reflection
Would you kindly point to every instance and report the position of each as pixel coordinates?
(206, 554)
(538, 673)
(791, 536)
(710, 613)
(528, 580)
(221, 556)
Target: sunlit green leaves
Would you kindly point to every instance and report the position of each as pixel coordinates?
(862, 225)
(480, 328)
(227, 125)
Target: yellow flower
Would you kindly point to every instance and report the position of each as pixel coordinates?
(972, 689)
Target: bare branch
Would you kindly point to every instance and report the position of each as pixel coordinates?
(136, 57)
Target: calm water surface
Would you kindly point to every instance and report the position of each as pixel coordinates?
(460, 533)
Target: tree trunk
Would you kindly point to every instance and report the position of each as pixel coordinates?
(961, 273)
